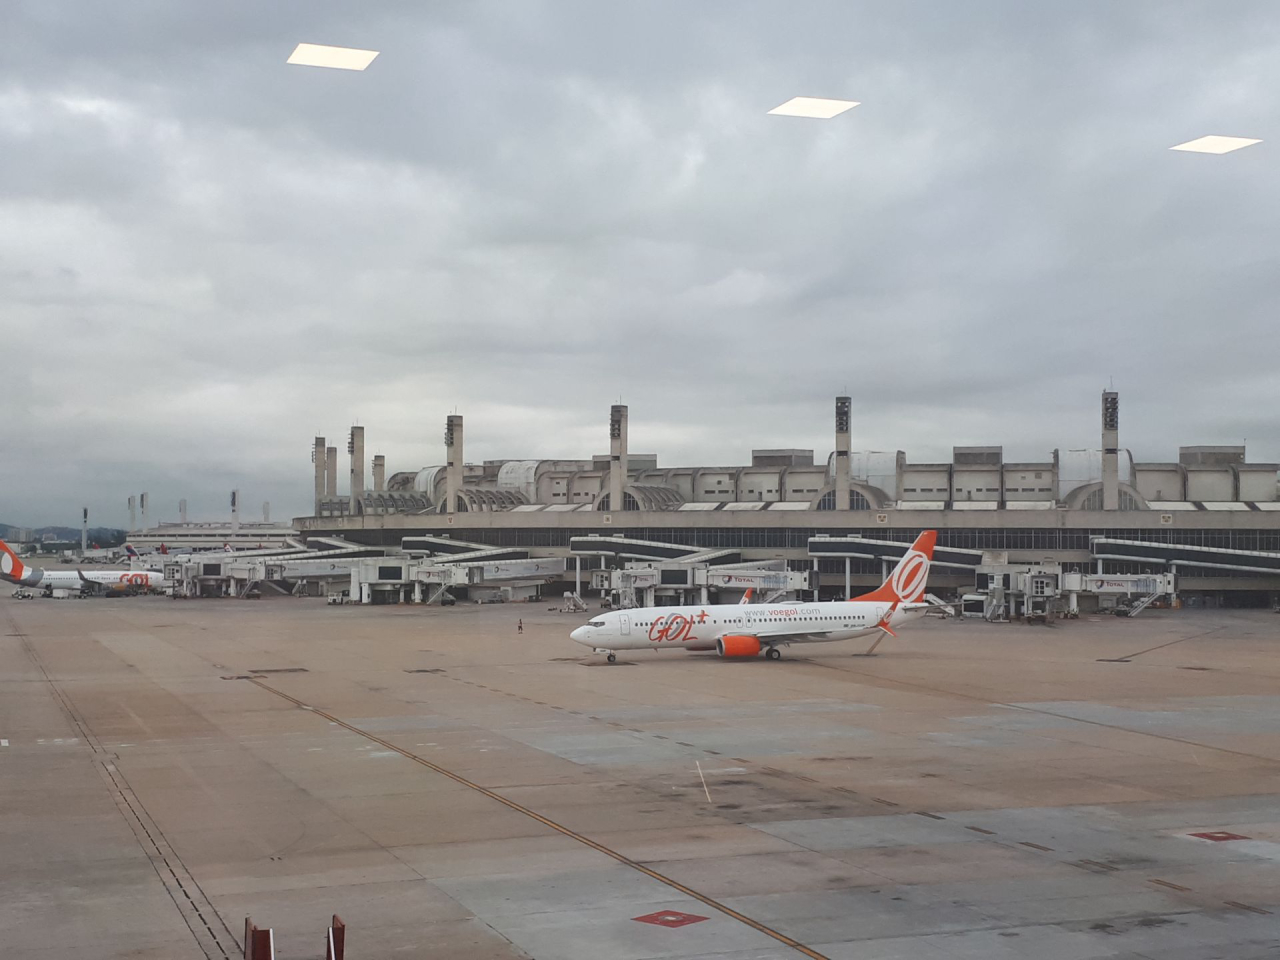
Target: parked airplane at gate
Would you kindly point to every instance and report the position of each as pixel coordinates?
(15, 571)
(746, 630)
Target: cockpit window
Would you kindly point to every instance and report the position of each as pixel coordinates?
(595, 623)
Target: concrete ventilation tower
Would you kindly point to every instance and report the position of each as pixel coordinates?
(617, 455)
(842, 453)
(142, 506)
(331, 472)
(1110, 450)
(182, 510)
(133, 514)
(318, 458)
(355, 447)
(235, 511)
(84, 532)
(379, 473)
(266, 511)
(453, 462)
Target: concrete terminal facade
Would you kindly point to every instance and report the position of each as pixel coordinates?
(1211, 496)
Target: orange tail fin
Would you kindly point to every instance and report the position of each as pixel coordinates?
(11, 568)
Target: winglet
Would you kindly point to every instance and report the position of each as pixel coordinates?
(907, 581)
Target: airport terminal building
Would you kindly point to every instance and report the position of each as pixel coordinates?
(1209, 515)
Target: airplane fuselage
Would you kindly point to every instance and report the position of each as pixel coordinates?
(108, 580)
(703, 627)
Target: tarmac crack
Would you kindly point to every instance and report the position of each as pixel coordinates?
(553, 825)
(195, 911)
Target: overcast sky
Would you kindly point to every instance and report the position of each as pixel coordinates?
(526, 210)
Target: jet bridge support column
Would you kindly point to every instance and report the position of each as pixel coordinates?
(848, 578)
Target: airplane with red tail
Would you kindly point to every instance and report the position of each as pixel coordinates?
(749, 630)
(13, 570)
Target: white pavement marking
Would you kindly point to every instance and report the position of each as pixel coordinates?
(704, 780)
(4, 743)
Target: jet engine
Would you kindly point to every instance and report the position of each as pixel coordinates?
(738, 645)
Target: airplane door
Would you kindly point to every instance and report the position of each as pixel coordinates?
(879, 614)
(624, 623)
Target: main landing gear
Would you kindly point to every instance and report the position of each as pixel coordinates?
(773, 653)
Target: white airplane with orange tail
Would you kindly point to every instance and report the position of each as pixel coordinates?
(747, 630)
(13, 570)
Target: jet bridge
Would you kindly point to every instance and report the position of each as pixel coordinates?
(687, 581)
(239, 574)
(409, 580)
(1176, 555)
(888, 552)
(626, 548)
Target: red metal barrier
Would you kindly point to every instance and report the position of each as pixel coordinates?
(336, 945)
(258, 944)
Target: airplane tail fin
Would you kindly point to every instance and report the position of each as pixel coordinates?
(130, 551)
(907, 581)
(746, 597)
(11, 568)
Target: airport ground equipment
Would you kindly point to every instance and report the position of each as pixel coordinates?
(1020, 591)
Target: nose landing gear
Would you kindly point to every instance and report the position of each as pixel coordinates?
(612, 657)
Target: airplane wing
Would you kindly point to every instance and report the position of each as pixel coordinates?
(89, 586)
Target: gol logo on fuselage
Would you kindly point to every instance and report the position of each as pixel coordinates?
(675, 627)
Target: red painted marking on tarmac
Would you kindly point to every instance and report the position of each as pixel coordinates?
(670, 918)
(1217, 836)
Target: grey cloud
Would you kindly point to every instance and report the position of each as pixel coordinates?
(526, 210)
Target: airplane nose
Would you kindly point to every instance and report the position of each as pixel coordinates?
(579, 635)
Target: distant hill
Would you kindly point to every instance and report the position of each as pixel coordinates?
(102, 536)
